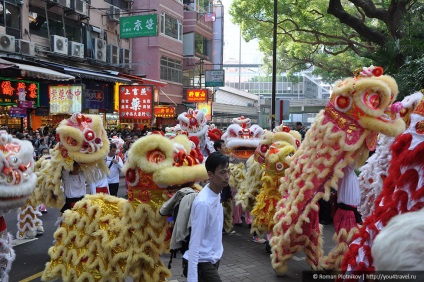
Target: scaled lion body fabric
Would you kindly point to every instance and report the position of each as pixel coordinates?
(342, 134)
(105, 238)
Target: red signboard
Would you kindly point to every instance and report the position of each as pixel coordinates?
(13, 90)
(197, 95)
(164, 112)
(135, 101)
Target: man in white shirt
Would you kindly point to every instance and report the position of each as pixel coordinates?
(205, 248)
(74, 186)
(114, 163)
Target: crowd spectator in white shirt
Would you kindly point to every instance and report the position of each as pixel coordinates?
(205, 247)
(74, 186)
(114, 163)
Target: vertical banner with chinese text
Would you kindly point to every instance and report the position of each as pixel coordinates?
(135, 102)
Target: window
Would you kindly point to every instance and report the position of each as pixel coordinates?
(119, 3)
(38, 25)
(202, 46)
(171, 26)
(171, 70)
(10, 18)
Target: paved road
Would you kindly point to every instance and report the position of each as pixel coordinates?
(243, 260)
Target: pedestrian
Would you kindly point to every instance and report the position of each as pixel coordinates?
(114, 163)
(42, 146)
(300, 129)
(73, 186)
(207, 220)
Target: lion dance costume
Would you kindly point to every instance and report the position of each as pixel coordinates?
(342, 134)
(17, 181)
(403, 191)
(277, 159)
(241, 139)
(105, 238)
(375, 171)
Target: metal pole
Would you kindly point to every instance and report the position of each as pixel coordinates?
(274, 66)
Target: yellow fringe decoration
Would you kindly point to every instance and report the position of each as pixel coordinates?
(333, 260)
(105, 238)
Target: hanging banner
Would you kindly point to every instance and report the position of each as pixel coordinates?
(197, 95)
(206, 108)
(12, 91)
(164, 111)
(65, 99)
(135, 101)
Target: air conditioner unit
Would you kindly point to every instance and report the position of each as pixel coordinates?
(124, 57)
(112, 54)
(25, 47)
(114, 13)
(76, 49)
(59, 44)
(7, 43)
(79, 6)
(99, 49)
(63, 3)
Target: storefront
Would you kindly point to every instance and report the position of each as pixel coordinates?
(17, 97)
(165, 116)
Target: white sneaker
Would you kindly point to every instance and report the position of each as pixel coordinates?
(259, 240)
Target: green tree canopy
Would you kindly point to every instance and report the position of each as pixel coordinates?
(338, 36)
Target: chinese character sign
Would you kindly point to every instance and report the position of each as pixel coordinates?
(164, 112)
(197, 95)
(12, 91)
(65, 99)
(138, 26)
(135, 101)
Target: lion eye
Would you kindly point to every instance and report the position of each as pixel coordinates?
(371, 100)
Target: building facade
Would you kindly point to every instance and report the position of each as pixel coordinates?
(82, 40)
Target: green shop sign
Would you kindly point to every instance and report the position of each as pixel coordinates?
(139, 26)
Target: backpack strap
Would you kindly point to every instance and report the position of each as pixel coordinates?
(111, 162)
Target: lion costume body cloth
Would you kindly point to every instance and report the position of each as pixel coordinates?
(277, 160)
(403, 191)
(105, 238)
(343, 133)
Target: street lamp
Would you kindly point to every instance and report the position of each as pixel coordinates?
(274, 66)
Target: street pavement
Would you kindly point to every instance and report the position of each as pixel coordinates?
(243, 259)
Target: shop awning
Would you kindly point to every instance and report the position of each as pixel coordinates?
(144, 80)
(43, 73)
(36, 72)
(81, 73)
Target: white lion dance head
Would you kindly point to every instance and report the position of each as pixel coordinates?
(194, 122)
(17, 177)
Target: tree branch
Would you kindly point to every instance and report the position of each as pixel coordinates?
(336, 9)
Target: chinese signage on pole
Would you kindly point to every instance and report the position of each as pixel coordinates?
(135, 101)
(65, 99)
(197, 95)
(12, 91)
(138, 26)
(164, 111)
